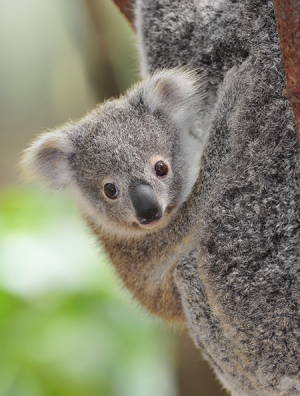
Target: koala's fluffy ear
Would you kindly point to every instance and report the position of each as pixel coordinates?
(176, 92)
(47, 159)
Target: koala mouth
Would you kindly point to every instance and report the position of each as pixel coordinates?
(158, 220)
(149, 224)
(154, 219)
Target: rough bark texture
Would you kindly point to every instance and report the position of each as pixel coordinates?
(126, 7)
(288, 23)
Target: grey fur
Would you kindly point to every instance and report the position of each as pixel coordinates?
(226, 258)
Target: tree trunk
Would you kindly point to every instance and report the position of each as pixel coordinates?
(288, 24)
(126, 7)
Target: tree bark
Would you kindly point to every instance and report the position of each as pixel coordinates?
(288, 24)
(126, 7)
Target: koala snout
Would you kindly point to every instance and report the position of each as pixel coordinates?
(145, 203)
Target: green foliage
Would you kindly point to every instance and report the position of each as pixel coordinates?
(65, 327)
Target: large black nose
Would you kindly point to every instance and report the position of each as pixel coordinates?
(145, 203)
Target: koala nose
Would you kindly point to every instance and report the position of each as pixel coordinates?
(145, 203)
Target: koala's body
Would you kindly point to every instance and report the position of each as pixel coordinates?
(192, 186)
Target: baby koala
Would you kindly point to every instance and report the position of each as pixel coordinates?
(131, 164)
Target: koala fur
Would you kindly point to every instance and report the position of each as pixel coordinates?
(224, 255)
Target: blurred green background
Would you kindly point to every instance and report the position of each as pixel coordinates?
(67, 326)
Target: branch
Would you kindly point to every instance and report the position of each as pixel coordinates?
(288, 23)
(126, 7)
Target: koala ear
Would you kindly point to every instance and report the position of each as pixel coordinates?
(176, 92)
(47, 159)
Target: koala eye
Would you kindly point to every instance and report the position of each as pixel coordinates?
(111, 191)
(161, 168)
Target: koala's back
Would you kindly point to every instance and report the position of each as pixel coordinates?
(241, 289)
(240, 286)
(213, 35)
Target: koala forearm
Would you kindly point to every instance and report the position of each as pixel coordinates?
(159, 296)
(150, 280)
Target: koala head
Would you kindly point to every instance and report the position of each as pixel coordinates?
(131, 162)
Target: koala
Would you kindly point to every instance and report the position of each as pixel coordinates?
(190, 181)
(131, 165)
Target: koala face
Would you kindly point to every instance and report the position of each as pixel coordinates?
(128, 163)
(125, 165)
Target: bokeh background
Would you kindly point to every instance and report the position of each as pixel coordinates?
(67, 326)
